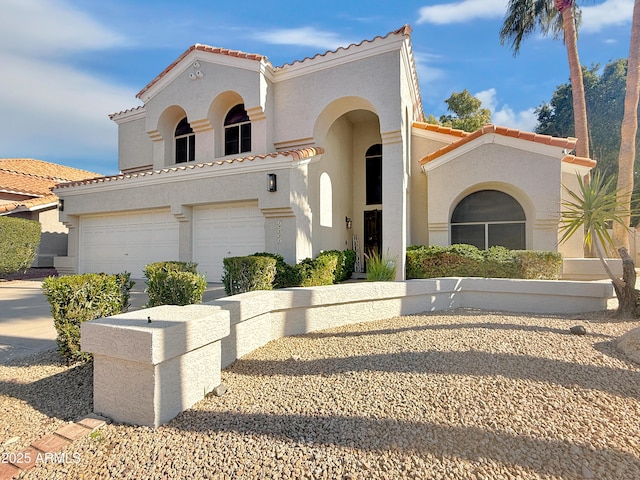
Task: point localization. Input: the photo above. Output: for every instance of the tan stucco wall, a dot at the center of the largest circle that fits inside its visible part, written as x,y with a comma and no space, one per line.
532,179
135,149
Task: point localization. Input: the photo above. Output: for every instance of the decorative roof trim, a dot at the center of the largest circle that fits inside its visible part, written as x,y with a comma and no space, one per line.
41,203
128,115
564,143
202,48
296,155
582,161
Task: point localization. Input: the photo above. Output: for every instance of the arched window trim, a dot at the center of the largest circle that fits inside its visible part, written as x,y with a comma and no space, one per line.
185,142
237,131
498,219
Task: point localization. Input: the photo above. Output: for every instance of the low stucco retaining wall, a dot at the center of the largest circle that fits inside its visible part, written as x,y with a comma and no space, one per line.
146,373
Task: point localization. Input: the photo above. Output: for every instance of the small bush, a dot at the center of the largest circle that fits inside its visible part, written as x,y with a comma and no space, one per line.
318,271
345,261
245,274
286,275
174,283
541,265
75,299
19,240
381,268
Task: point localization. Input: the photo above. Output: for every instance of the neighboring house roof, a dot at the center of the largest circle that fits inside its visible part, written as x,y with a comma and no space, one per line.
34,179
568,144
294,154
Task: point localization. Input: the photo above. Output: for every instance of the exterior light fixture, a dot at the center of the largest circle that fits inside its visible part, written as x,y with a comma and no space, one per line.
61,205
272,185
349,222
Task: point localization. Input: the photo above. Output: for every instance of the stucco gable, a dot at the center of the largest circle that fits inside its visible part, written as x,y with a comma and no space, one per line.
529,141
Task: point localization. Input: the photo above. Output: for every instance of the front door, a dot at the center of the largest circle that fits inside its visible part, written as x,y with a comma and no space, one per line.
372,232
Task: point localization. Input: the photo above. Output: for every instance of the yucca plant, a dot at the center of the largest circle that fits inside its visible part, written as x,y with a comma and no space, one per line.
381,268
592,210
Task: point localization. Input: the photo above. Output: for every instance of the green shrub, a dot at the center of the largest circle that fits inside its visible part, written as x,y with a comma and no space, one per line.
286,275
468,261
381,268
318,271
345,261
19,240
78,298
541,265
436,261
245,274
174,283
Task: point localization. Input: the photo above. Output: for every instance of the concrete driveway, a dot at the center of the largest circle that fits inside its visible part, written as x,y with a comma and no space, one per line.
26,324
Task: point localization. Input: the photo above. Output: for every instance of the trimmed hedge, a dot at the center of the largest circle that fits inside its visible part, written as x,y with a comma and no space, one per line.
319,271
19,240
469,261
174,283
75,299
345,262
286,275
245,274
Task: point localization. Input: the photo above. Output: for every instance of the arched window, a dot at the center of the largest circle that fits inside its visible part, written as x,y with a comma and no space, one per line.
185,142
237,131
373,159
488,218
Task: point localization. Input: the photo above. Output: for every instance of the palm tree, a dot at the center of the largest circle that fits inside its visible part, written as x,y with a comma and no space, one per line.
523,18
629,129
592,209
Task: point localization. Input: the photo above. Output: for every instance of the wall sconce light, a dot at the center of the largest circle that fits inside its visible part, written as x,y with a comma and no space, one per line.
61,205
349,223
272,185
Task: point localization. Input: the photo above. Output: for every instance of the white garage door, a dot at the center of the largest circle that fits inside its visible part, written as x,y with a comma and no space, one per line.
229,231
122,242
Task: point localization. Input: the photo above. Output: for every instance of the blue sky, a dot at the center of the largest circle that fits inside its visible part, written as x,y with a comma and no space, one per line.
67,64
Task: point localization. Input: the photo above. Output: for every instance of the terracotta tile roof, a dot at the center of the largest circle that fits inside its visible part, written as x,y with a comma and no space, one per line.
202,48
566,143
294,154
404,30
35,178
29,204
128,110
40,168
440,129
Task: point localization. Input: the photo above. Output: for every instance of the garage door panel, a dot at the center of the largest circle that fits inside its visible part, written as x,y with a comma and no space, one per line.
228,231
127,241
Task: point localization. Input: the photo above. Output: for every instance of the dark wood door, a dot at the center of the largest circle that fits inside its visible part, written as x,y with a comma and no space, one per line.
372,232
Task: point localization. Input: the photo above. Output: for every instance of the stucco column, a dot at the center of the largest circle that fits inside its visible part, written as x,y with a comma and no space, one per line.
258,129
394,205
204,140
158,149
184,215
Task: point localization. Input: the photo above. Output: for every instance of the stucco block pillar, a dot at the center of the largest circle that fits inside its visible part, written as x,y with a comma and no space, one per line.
146,373
184,215
394,205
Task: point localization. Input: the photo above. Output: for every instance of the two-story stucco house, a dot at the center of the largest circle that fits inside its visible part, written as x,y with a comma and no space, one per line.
230,155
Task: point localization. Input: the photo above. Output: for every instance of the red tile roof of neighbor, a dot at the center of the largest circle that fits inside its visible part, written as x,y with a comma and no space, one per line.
34,178
466,137
294,154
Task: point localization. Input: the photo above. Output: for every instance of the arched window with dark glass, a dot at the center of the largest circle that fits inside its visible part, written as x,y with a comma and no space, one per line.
489,218
373,166
237,131
185,142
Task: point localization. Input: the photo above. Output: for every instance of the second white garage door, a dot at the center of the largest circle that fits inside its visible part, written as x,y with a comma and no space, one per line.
228,231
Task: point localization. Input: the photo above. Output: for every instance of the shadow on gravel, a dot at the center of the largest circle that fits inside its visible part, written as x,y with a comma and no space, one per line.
621,382
417,438
451,327
66,395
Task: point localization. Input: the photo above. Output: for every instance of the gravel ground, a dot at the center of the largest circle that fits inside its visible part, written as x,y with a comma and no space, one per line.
456,395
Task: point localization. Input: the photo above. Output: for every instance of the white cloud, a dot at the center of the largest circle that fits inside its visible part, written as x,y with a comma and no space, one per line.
304,36
524,120
49,107
606,14
460,12
46,27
